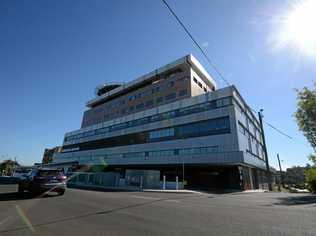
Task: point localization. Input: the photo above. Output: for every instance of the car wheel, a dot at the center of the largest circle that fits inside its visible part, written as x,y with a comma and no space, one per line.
61,192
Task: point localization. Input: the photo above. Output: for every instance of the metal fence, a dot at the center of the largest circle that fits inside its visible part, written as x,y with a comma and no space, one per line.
106,179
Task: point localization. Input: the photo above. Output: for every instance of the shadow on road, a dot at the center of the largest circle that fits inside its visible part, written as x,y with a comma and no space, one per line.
100,189
15,196
77,217
297,200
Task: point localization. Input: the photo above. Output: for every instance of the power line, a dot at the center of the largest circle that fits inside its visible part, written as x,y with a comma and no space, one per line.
211,63
276,129
273,127
196,43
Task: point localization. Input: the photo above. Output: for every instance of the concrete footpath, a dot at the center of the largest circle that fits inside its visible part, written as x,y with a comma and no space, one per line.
127,188
136,189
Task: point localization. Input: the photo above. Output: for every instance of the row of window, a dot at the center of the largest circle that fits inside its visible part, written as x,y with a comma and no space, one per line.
141,106
161,133
254,146
199,83
248,120
159,100
153,90
196,129
139,95
152,154
159,117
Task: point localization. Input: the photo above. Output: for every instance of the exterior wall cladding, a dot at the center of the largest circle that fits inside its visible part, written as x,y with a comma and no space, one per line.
172,116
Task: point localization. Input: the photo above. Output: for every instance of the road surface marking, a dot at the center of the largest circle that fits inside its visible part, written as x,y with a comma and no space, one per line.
24,218
143,197
172,200
4,220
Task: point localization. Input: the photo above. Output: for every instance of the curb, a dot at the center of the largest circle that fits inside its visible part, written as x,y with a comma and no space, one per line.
170,191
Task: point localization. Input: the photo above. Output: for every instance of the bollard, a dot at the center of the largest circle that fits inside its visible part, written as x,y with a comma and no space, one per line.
177,183
141,183
164,183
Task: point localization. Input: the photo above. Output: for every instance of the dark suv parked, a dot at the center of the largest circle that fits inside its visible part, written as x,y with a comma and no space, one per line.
44,180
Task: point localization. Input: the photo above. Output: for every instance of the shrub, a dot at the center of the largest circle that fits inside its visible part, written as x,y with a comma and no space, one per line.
310,176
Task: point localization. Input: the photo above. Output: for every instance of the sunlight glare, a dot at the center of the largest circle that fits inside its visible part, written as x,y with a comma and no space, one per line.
298,28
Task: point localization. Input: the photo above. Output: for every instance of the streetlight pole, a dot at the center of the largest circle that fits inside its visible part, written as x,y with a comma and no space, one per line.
265,150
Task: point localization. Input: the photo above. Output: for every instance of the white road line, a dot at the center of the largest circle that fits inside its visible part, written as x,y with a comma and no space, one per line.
4,220
143,197
171,200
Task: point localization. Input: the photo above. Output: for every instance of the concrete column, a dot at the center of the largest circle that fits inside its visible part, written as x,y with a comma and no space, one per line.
251,178
241,181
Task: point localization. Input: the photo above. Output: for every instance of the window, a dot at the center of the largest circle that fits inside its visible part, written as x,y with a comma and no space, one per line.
205,90
257,148
155,90
183,92
214,126
170,96
146,93
140,106
200,84
161,133
159,100
208,127
115,155
219,103
202,128
198,150
134,155
241,128
149,103
223,102
131,108
102,131
212,149
170,84
249,144
195,80
168,115
247,123
118,126
161,153
155,118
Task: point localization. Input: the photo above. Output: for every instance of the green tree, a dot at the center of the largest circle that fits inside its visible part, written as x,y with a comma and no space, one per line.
295,176
7,166
306,115
312,158
311,179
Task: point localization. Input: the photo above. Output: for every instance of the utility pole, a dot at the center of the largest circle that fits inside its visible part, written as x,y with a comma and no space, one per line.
281,175
265,150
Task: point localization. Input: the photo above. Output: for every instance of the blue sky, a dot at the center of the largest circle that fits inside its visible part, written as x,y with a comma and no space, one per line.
54,53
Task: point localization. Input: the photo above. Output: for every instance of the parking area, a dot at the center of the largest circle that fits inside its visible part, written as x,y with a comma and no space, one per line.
83,212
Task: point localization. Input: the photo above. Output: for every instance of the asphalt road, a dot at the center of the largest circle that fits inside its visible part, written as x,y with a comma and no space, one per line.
82,212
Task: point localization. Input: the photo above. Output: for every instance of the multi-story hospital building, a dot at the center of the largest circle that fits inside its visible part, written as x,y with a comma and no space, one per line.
173,120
